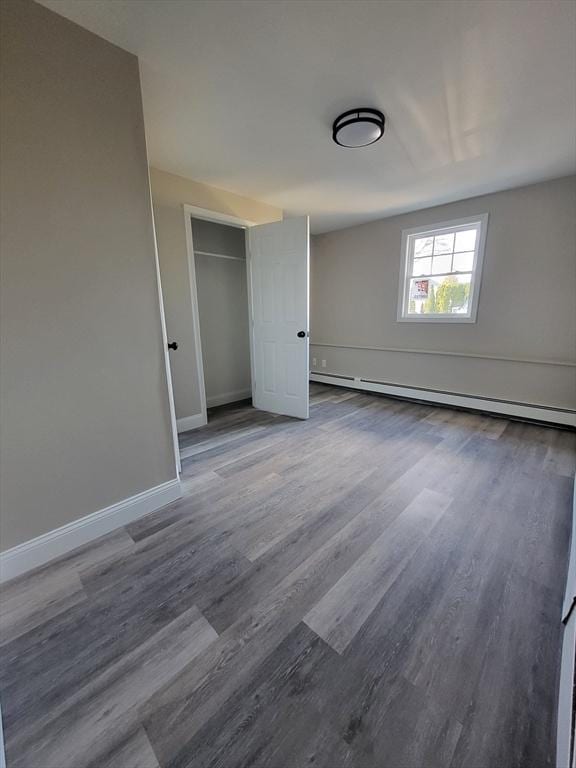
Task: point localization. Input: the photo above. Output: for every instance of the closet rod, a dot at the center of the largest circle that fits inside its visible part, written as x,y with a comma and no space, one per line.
219,255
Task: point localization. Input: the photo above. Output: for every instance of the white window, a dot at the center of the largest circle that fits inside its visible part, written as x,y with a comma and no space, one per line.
441,270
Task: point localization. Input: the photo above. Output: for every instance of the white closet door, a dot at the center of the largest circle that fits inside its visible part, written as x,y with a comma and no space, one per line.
279,261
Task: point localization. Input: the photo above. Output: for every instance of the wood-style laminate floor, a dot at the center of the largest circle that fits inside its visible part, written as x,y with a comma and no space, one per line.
378,587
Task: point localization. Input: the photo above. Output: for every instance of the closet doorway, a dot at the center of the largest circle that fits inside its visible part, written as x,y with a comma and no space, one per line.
219,283
249,288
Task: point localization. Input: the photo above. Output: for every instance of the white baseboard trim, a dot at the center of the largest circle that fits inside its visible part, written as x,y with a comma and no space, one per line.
191,422
228,397
36,552
490,405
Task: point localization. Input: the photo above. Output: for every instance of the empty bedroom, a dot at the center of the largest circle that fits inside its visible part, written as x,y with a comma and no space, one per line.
287,383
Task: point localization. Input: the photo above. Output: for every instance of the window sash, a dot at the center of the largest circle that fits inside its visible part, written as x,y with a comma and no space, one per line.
439,314
448,253
438,274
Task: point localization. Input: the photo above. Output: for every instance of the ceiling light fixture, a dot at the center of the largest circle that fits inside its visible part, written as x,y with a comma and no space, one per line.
358,127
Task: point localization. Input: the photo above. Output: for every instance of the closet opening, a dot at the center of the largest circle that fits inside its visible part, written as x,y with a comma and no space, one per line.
221,279
248,351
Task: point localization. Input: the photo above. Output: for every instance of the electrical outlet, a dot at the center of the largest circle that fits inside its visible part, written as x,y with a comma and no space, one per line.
323,363
314,362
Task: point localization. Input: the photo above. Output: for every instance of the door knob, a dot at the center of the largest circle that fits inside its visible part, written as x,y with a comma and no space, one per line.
301,334
173,345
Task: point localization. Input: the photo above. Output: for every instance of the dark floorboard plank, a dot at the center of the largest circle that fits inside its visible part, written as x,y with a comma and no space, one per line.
510,719
277,563
561,454
132,752
25,606
246,730
106,708
342,610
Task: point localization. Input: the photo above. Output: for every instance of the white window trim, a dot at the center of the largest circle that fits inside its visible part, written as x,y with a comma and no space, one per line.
401,317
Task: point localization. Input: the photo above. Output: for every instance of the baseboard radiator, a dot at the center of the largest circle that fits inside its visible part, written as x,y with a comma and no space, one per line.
556,416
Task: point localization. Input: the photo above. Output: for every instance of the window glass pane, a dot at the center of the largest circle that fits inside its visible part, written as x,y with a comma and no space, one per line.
465,241
417,295
444,243
422,266
442,264
423,246
463,262
448,295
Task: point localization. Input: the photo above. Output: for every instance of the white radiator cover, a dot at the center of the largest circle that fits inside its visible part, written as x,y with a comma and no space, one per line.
559,416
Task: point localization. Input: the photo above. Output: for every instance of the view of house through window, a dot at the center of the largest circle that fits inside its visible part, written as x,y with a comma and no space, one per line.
441,272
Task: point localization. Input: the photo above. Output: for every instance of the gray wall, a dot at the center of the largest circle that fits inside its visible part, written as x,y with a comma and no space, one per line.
84,398
527,308
218,238
223,311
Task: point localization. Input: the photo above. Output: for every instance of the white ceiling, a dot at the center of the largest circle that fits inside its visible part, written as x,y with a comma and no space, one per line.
479,95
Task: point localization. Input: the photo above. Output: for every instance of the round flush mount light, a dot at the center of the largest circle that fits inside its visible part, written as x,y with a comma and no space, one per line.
358,127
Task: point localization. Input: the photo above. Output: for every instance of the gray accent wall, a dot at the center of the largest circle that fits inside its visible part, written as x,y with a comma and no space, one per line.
526,313
84,397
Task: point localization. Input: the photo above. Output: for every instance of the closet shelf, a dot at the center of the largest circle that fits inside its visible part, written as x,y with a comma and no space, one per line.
218,255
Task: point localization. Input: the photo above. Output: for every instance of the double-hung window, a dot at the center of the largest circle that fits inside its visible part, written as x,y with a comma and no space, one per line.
441,270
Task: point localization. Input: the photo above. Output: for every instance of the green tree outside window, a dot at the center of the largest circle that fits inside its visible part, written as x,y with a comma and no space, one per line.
451,295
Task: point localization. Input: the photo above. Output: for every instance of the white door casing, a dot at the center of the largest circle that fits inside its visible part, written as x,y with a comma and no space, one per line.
279,260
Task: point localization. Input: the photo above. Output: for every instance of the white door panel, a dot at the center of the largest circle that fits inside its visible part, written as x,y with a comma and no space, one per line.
279,274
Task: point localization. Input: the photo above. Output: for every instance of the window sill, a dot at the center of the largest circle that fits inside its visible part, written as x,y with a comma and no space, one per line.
446,319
